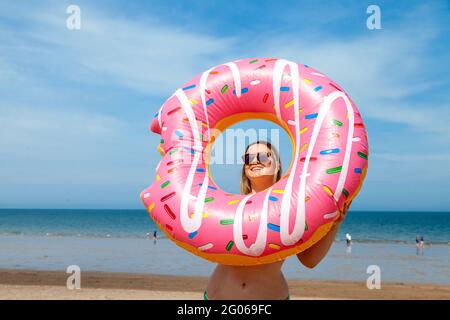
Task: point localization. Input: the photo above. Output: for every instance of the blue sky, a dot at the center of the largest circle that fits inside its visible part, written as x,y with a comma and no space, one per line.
75,105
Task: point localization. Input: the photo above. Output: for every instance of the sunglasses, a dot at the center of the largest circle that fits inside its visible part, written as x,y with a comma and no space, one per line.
262,157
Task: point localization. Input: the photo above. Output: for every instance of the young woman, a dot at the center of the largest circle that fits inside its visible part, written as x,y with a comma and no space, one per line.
261,169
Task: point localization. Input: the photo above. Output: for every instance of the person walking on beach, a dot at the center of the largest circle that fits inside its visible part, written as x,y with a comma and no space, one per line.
422,242
155,237
348,239
261,169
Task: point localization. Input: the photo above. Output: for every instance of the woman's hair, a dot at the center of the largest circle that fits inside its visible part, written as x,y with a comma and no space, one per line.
246,186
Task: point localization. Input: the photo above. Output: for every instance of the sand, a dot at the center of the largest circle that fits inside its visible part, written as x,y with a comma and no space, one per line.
37,285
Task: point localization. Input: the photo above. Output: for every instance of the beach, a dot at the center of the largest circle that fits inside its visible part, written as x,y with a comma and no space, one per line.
117,261
37,285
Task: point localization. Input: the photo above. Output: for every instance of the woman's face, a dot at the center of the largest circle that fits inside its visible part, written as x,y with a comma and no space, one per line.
256,169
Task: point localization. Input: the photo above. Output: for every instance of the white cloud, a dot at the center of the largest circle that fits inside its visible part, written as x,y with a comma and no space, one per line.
54,132
149,56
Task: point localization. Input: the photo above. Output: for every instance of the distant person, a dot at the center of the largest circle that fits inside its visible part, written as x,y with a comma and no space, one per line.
147,236
155,236
348,239
422,242
417,241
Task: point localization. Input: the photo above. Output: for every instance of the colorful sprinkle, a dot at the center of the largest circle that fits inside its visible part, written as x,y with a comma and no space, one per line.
211,100
362,155
211,187
169,212
307,81
278,191
334,170
209,199
317,88
274,246
272,198
172,170
329,151
288,104
261,67
165,184
214,72
255,82
158,177
311,116
337,122
310,159
179,133
173,151
306,226
150,207
226,221
244,236
284,89
273,227
161,141
229,245
233,201
168,196
358,170
345,192
189,87
302,131
205,247
243,90
224,89
200,170
193,101
192,234
174,162
303,147
266,96
169,227
253,61
189,149
173,110
334,86
359,125
327,190
356,139
330,215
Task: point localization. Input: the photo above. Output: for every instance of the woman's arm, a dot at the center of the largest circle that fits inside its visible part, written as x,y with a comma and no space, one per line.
312,256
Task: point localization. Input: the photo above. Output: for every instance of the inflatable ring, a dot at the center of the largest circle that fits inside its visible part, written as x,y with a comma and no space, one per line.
328,166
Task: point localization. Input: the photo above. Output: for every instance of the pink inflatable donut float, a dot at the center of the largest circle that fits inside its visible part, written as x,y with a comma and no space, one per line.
329,162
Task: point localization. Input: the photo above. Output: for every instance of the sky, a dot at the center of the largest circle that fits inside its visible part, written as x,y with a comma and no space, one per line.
75,105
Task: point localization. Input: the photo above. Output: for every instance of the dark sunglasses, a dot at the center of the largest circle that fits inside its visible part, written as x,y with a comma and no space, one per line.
262,157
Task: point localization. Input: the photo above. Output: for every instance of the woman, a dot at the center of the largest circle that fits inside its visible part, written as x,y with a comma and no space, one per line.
261,169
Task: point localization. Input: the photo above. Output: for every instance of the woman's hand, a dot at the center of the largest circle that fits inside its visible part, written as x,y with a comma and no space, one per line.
312,256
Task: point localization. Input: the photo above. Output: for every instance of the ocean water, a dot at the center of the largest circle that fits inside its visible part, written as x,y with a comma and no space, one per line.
115,240
364,226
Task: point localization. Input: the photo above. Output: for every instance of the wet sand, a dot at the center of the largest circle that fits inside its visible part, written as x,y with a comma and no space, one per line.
29,284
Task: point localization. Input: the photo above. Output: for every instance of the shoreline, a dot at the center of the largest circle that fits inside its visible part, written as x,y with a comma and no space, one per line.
41,285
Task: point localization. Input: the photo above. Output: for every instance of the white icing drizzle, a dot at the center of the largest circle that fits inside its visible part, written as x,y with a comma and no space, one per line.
258,247
193,224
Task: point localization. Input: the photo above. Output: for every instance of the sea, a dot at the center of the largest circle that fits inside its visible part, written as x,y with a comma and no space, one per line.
122,241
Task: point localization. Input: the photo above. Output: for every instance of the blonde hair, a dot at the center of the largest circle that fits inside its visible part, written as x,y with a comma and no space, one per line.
246,186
